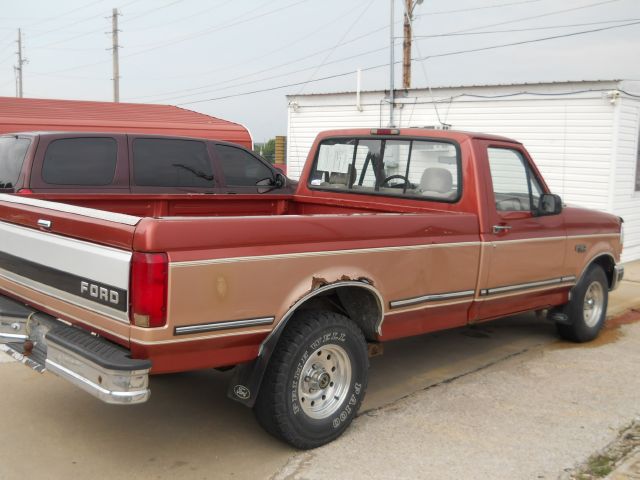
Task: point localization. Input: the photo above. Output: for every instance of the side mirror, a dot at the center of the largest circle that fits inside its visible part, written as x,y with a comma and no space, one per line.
550,204
280,181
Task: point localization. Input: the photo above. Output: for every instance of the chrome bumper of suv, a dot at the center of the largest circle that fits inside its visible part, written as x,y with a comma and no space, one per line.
92,363
618,275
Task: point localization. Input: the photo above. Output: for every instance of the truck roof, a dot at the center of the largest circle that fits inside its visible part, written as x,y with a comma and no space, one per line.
457,135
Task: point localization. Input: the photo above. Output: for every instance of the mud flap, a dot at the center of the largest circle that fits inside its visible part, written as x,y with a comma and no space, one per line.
247,377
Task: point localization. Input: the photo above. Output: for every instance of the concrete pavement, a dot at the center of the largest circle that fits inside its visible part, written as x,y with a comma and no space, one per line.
501,400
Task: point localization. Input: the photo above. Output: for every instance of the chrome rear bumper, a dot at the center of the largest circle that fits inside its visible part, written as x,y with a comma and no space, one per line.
92,363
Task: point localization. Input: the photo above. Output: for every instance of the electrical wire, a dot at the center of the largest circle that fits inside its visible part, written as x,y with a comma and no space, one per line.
151,11
181,39
290,43
238,21
541,15
517,30
167,96
188,17
458,52
523,42
80,35
485,7
338,44
263,79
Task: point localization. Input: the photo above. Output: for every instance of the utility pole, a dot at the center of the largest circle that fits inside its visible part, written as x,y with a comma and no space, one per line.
18,68
406,46
392,99
409,5
116,62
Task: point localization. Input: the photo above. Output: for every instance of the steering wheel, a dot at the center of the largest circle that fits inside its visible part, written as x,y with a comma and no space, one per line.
404,179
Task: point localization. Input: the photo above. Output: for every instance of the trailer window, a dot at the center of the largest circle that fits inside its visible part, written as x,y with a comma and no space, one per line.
425,169
80,161
164,162
12,153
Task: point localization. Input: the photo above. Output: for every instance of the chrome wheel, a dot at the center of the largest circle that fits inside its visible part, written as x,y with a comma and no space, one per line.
324,381
593,304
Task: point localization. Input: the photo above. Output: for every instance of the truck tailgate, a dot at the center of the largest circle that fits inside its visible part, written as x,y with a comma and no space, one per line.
70,262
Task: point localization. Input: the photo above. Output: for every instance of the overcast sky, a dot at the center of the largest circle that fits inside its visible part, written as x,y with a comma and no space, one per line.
193,52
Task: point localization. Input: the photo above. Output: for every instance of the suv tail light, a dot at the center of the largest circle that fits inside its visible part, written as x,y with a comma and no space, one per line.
149,279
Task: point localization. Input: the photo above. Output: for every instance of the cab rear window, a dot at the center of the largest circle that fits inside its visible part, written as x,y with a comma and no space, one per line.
416,168
12,153
80,161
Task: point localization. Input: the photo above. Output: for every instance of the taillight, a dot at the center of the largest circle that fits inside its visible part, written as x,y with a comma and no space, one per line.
149,278
25,191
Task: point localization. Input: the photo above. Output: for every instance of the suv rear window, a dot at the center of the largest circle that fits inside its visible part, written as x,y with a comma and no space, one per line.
80,161
161,162
12,153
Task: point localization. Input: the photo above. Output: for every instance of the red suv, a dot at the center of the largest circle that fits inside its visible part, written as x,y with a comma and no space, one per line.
66,162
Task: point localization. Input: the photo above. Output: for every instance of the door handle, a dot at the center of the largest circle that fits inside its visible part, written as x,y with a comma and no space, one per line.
501,228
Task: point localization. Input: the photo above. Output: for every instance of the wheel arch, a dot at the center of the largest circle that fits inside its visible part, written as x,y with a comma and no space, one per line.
357,299
360,300
606,261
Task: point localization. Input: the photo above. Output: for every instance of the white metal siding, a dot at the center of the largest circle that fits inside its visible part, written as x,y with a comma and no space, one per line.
626,202
584,145
569,137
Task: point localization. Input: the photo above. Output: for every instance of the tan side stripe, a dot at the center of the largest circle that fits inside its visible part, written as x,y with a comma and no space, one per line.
257,258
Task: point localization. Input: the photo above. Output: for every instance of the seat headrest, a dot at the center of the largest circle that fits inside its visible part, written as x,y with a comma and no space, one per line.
436,180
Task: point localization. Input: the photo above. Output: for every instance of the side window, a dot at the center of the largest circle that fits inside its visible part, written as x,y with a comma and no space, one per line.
514,185
80,161
166,162
240,168
12,153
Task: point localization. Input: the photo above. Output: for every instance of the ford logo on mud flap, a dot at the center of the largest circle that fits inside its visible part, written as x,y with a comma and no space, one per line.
242,392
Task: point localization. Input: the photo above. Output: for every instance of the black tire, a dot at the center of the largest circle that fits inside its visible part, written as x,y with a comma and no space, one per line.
311,410
587,309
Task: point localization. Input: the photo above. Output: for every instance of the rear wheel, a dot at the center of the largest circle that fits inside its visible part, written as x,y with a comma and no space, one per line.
587,309
315,381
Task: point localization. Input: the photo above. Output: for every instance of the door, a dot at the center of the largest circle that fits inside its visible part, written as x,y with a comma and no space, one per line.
523,252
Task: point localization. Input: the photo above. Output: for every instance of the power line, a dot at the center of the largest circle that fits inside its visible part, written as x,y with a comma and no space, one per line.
523,42
80,35
181,39
217,28
168,95
465,10
339,43
516,30
280,75
187,17
541,15
459,52
153,10
290,43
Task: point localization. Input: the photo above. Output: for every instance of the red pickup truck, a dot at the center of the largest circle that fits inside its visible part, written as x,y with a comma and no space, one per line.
390,233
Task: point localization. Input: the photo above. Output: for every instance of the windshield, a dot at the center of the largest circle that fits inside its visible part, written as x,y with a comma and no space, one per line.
426,169
12,153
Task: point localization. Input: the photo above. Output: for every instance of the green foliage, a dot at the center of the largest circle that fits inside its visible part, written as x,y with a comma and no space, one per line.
267,149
